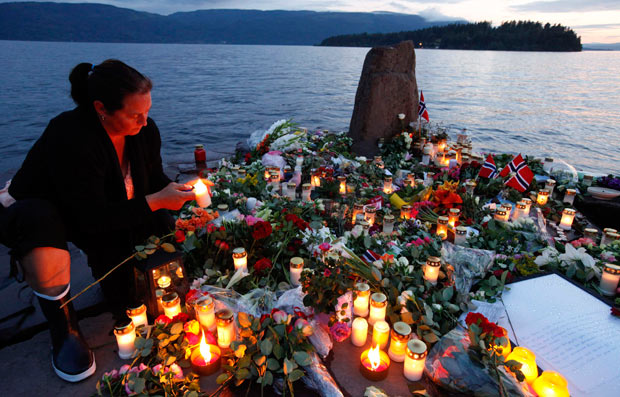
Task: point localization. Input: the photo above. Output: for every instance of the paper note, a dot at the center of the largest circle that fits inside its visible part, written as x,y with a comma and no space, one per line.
569,330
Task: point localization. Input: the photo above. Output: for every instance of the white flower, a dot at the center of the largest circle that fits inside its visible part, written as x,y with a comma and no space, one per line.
372,391
573,254
357,231
403,261
549,255
401,116
361,159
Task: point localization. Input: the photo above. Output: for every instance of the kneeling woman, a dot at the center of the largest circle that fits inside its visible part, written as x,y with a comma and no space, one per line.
94,178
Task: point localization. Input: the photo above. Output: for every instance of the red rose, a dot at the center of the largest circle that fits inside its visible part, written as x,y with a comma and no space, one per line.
262,265
297,221
472,318
499,332
248,157
498,273
262,229
179,236
327,273
193,295
181,317
162,320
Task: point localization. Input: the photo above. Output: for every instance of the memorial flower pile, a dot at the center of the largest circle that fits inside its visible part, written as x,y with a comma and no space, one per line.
314,221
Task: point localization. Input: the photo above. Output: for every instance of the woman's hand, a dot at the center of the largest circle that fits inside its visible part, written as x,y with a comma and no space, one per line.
172,197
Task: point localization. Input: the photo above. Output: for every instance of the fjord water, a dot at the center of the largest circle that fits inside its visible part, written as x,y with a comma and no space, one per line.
564,105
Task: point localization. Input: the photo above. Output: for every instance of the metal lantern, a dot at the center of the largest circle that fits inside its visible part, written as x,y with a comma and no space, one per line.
161,273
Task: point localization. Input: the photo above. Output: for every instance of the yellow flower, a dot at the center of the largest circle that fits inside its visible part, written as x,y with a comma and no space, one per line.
450,186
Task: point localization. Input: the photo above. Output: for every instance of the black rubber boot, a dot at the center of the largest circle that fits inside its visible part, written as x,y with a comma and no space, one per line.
72,359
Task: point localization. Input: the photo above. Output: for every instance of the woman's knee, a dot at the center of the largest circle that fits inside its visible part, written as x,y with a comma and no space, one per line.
47,269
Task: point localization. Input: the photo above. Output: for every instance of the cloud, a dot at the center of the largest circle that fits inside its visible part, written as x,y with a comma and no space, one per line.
599,26
569,6
432,14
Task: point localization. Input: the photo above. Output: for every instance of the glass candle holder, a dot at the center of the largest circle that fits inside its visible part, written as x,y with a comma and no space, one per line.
225,328
291,188
519,210
125,333
159,294
415,358
609,236
222,208
591,233
405,211
610,279
387,185
542,197
350,188
343,185
358,208
569,196
171,304
470,187
500,215
359,331
508,208
380,334
296,266
550,185
408,182
378,308
431,270
427,151
138,315
299,161
240,259
587,180
453,216
568,215
399,336
442,227
306,190
528,362
315,181
609,230
441,145
388,224
460,235
370,213
205,312
551,384
528,205
548,164
362,297
164,280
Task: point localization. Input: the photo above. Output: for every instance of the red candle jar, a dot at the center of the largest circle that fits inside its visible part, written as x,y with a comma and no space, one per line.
200,154
206,360
374,364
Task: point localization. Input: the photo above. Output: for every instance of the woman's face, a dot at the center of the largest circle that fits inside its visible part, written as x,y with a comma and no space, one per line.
130,119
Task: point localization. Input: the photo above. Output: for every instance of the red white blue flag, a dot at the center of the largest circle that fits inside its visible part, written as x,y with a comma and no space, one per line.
488,170
522,177
422,112
370,256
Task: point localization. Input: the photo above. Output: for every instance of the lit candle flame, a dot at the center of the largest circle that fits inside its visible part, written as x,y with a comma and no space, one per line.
205,351
200,187
374,358
164,282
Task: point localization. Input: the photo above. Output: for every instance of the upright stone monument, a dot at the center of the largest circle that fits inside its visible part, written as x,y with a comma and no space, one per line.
387,88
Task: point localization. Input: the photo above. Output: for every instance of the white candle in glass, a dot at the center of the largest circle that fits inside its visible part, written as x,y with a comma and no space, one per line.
387,185
306,190
528,204
171,304
542,197
415,360
378,308
125,338
203,199
608,237
362,297
290,190
569,196
299,161
453,216
442,227
519,210
568,215
460,235
240,259
225,328
359,332
431,270
138,315
399,336
343,185
550,185
205,312
610,279
380,334
296,266
370,213
388,224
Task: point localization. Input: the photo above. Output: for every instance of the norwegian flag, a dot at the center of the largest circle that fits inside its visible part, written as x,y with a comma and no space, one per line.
422,112
370,256
522,174
488,170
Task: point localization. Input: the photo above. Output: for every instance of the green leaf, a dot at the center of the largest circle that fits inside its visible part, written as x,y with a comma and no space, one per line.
242,373
245,361
141,255
367,242
192,393
176,328
267,378
278,351
430,337
151,246
139,248
447,294
168,247
302,358
221,378
272,363
138,385
295,375
260,360
244,320
376,274
266,347
289,366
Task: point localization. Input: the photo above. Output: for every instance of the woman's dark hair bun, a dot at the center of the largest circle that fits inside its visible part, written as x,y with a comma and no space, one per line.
109,82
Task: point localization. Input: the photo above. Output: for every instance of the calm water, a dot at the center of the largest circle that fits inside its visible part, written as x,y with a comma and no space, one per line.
563,105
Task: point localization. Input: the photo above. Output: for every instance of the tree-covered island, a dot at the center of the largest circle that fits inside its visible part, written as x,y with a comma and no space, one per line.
509,36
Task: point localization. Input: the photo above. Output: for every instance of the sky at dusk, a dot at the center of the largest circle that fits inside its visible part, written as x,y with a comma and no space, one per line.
593,20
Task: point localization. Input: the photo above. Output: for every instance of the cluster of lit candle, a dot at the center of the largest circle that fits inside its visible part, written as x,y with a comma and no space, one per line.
375,362
548,384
